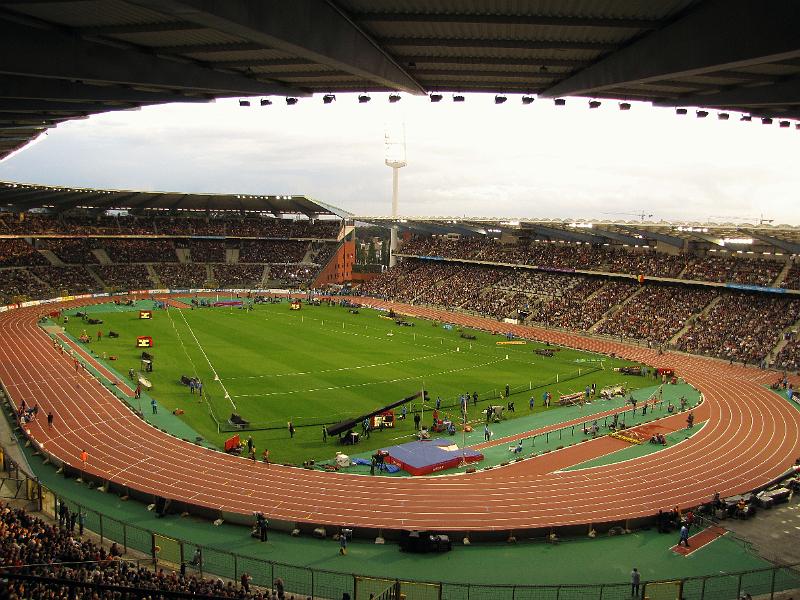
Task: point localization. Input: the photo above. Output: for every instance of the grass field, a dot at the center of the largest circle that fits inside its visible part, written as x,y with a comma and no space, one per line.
322,365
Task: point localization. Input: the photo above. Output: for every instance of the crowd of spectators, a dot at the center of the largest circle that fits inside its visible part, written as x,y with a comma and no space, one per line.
741,327
30,546
752,271
226,225
17,284
74,251
789,356
204,251
584,305
658,312
140,251
124,277
272,251
239,276
792,279
181,276
19,253
290,275
72,280
588,257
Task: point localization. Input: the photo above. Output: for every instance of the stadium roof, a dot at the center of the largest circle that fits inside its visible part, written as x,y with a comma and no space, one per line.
18,197
784,239
67,59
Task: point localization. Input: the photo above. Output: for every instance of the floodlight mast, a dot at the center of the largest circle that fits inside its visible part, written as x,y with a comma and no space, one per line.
395,147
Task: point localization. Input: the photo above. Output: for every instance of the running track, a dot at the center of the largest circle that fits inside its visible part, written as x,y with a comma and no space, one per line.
753,435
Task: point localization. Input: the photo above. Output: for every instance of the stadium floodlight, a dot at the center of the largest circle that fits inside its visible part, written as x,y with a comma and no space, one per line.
436,97
624,105
766,121
266,102
560,102
527,100
458,98
784,124
363,98
723,116
394,98
681,111
702,114
594,103
291,101
499,99
244,102
328,98
746,118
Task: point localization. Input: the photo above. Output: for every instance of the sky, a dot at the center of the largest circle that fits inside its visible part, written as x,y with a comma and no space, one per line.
468,159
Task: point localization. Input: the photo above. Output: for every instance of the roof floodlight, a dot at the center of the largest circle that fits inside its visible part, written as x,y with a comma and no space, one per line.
784,124
394,98
266,102
244,102
458,98
702,114
291,101
328,98
363,98
681,111
499,99
560,102
436,97
766,121
745,118
594,103
527,100
723,116
624,105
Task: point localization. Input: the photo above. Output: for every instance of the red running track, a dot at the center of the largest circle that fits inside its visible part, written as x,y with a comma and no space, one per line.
752,436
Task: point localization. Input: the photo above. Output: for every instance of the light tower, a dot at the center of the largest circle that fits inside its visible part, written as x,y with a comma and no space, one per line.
395,151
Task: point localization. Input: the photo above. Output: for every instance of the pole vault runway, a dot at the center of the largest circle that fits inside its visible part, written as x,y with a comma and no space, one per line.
752,436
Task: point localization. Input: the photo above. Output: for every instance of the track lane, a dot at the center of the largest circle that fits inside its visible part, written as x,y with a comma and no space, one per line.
751,436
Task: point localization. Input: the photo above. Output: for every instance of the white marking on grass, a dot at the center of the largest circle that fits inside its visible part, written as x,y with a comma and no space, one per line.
368,383
213,370
391,362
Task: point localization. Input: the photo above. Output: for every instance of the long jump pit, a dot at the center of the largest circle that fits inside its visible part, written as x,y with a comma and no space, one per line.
430,456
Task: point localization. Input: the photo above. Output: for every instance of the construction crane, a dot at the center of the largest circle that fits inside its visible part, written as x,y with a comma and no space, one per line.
642,215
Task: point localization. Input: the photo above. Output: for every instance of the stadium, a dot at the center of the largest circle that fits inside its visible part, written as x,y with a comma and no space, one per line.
255,388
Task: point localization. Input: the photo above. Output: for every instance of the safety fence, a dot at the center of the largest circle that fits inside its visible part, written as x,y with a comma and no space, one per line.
203,560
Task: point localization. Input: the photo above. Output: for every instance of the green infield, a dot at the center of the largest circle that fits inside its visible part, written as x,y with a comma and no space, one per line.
324,364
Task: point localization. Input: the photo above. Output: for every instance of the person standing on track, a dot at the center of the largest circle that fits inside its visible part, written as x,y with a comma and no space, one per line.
486,433
636,578
153,404
684,536
50,420
84,457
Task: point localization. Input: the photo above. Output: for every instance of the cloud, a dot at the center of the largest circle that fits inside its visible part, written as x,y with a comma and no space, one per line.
473,158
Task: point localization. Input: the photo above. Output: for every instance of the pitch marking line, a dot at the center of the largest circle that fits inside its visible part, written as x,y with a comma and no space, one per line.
355,385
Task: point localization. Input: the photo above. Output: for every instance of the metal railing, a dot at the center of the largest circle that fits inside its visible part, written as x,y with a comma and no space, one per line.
318,583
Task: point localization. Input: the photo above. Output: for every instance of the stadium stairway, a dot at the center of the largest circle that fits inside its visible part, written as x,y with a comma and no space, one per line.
183,255
51,257
611,310
783,341
96,277
102,256
231,256
782,275
690,321
151,272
